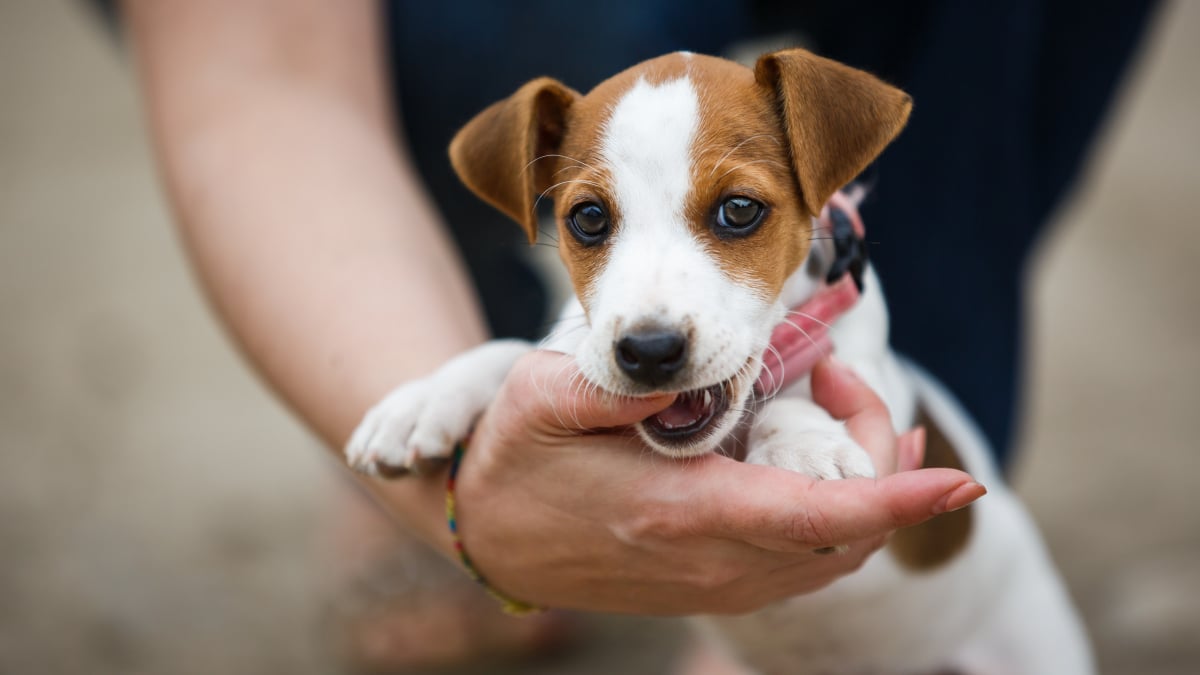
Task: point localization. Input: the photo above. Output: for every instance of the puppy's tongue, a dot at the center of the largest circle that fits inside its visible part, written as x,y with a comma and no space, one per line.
688,409
803,338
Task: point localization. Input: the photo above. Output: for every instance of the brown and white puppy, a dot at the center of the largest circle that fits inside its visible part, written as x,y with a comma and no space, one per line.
686,191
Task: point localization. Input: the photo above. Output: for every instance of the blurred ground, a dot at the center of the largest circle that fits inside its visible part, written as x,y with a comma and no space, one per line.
159,512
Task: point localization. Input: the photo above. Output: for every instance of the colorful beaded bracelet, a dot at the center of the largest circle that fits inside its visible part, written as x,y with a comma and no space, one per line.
509,605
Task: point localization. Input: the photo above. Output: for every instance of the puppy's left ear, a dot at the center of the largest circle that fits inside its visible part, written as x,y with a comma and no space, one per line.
501,153
837,118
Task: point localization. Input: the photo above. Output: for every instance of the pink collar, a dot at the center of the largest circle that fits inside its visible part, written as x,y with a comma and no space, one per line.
802,338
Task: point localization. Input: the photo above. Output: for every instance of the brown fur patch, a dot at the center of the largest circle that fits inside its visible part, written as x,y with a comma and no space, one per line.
582,174
740,149
787,134
500,153
934,542
837,118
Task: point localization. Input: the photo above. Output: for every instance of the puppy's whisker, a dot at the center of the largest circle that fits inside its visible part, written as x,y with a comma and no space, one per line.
776,384
543,390
574,392
805,334
574,386
539,158
808,316
745,164
747,412
562,183
734,149
584,389
560,327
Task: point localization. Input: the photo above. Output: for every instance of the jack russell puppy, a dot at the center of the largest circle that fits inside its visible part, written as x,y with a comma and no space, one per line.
691,199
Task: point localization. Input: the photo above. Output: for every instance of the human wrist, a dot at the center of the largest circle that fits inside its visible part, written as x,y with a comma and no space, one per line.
509,604
417,503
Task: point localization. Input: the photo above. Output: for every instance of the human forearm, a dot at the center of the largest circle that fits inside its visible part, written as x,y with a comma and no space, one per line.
304,222
307,228
321,257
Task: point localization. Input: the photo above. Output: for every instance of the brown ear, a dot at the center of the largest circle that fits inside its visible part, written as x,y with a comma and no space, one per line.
497,154
837,118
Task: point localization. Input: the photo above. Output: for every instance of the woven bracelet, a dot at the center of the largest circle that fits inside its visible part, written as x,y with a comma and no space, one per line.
509,605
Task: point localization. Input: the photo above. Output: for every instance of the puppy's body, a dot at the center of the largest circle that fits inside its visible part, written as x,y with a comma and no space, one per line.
687,190
996,606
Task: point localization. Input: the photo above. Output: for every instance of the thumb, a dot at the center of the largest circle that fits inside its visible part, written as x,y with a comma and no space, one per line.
553,390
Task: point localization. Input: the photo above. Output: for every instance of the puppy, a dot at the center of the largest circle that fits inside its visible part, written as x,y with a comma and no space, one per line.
690,195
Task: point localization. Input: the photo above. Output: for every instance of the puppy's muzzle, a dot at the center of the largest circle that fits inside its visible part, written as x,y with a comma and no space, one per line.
651,357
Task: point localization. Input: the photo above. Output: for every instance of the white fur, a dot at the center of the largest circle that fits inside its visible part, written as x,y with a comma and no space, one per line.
423,419
998,607
796,434
647,149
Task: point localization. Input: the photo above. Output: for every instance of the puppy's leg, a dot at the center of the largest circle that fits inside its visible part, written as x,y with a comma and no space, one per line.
797,434
423,419
1032,628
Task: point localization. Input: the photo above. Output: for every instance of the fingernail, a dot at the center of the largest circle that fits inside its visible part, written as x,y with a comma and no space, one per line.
959,497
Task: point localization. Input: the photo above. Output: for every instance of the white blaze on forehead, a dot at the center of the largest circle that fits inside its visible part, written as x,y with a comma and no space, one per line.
657,271
660,274
647,144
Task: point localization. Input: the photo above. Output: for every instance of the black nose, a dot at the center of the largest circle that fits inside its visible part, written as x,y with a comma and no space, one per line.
651,357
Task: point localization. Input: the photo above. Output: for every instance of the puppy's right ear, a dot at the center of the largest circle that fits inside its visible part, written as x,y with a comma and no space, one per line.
837,118
499,154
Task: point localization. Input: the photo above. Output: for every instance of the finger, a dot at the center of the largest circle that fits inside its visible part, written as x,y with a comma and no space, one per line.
910,450
785,511
817,571
845,396
861,508
559,396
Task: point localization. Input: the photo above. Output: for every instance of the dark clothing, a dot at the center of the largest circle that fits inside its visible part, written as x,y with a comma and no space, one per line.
1006,97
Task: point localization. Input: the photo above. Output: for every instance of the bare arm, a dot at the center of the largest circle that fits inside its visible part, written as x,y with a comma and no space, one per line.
308,228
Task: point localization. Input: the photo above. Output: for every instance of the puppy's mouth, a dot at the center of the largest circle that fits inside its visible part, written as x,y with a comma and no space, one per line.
691,417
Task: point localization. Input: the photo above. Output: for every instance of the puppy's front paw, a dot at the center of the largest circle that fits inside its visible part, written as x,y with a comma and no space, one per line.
407,428
418,423
824,456
798,435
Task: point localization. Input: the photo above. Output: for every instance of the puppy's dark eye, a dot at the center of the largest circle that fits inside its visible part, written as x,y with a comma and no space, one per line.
739,216
589,223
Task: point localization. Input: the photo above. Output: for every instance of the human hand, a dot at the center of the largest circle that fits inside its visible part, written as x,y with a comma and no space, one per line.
557,514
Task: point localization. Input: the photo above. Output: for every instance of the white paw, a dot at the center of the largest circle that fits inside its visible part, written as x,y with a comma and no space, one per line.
798,435
820,454
418,424
406,427
824,453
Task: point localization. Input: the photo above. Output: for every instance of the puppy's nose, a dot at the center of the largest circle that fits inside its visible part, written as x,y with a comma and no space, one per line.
651,357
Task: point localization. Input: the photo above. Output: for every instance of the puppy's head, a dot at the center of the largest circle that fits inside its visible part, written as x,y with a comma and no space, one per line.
684,191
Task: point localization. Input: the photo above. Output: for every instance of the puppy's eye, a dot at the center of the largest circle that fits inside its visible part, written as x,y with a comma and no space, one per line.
739,216
589,223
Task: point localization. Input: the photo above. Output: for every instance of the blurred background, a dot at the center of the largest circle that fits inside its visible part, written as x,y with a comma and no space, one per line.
160,513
